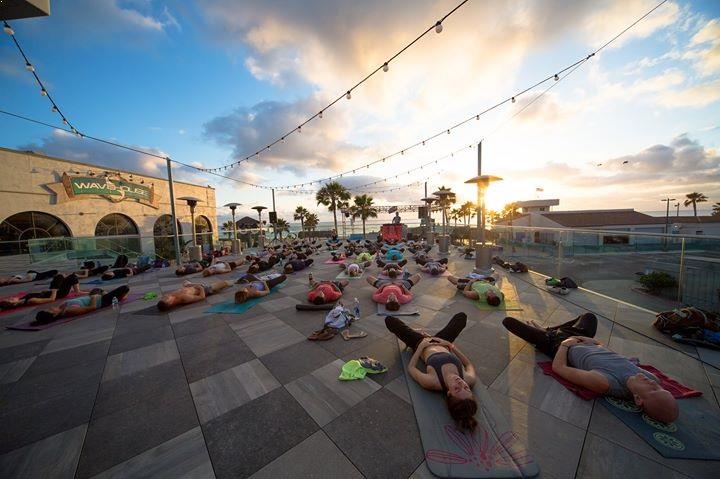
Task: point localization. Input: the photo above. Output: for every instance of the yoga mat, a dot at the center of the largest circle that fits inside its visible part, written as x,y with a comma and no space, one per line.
695,434
505,305
330,261
232,307
408,309
28,326
314,307
344,275
493,450
97,281
22,308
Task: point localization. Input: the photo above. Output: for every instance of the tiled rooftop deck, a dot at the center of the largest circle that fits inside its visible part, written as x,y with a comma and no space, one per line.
135,393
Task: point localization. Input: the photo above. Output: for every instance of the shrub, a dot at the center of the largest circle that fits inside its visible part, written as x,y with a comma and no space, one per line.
656,281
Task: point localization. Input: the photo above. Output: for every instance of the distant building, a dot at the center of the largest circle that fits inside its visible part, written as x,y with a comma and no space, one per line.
247,223
537,206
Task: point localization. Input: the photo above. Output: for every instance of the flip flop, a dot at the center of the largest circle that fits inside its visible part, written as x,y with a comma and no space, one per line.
347,335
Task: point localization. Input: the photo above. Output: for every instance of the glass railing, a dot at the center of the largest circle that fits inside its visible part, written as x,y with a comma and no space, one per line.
652,270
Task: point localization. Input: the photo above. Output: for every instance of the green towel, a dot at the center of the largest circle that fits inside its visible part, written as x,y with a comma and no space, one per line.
352,370
149,296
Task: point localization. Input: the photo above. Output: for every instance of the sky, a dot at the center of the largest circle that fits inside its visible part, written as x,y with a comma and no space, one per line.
210,82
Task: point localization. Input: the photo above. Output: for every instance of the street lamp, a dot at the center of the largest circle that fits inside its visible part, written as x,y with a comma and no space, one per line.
261,240
235,243
195,252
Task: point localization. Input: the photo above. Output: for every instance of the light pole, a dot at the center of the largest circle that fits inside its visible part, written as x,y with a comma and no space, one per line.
677,209
235,243
667,212
195,251
483,256
261,240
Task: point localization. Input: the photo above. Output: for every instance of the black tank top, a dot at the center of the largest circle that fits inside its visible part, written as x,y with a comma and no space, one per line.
438,360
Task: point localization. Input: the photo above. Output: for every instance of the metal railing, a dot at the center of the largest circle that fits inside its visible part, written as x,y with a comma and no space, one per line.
654,270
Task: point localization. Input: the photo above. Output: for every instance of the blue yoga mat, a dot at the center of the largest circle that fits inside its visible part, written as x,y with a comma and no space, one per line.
695,435
231,307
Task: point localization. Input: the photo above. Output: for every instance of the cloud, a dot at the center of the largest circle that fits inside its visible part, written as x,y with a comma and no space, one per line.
695,96
706,58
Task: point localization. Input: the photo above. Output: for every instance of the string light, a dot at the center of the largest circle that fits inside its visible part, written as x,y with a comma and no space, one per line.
348,96
438,27
320,115
385,67
8,30
43,92
513,99
29,67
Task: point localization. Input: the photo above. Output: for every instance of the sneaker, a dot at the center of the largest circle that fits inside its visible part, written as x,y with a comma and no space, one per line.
559,290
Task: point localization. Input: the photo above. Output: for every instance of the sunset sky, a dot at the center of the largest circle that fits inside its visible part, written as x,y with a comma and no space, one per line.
209,82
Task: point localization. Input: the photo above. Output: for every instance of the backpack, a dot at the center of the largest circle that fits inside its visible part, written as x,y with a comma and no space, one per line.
568,283
670,322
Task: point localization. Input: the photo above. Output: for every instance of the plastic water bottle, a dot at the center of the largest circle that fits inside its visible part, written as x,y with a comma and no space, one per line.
356,308
310,279
115,303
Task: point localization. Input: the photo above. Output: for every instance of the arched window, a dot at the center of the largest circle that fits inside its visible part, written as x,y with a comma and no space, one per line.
203,233
163,233
16,230
116,224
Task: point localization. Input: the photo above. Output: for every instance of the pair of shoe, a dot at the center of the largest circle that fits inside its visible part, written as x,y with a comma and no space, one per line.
558,290
323,335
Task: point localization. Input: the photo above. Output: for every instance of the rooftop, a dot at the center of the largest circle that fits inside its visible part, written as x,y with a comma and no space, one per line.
136,392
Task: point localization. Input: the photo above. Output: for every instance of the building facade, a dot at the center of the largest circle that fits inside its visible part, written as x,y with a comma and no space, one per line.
52,203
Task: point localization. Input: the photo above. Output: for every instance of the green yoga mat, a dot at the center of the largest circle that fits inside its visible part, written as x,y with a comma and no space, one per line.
695,435
493,450
505,305
231,307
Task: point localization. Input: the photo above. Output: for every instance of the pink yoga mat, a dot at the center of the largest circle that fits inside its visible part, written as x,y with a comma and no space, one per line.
330,261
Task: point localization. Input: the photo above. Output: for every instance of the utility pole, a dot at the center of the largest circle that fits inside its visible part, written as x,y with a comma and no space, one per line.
667,213
176,238
274,211
677,209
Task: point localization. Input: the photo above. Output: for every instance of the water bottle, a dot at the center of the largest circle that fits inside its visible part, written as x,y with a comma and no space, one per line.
310,279
356,308
115,303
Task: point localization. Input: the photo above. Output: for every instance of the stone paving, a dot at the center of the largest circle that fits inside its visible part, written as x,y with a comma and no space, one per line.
138,393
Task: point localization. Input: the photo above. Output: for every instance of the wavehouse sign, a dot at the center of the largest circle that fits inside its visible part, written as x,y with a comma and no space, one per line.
114,189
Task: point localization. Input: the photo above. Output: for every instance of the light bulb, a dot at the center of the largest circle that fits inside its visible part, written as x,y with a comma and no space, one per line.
29,67
402,152
513,99
423,142
385,67
65,122
448,132
438,27
8,30
43,92
299,129
320,115
556,77
54,109
347,95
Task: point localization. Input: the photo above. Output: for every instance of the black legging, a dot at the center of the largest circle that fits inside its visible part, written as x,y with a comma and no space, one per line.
248,278
39,276
120,262
548,340
118,293
98,270
63,284
412,338
400,263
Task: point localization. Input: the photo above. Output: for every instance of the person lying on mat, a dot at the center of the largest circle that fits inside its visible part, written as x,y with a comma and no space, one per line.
252,286
447,369
191,293
296,265
364,257
221,267
583,361
353,269
423,258
394,291
434,268
91,268
337,255
479,289
263,265
27,277
382,263
124,272
60,287
84,304
190,268
393,255
323,292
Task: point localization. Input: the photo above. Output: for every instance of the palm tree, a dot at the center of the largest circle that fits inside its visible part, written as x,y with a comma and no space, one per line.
467,209
228,227
510,211
300,215
364,209
311,221
693,199
716,209
330,195
456,214
282,225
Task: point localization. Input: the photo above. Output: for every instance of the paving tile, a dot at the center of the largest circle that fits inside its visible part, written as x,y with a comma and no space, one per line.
398,386
379,436
206,339
117,437
296,360
184,456
316,456
79,338
12,371
198,325
187,312
130,362
68,358
222,392
325,397
55,456
159,383
265,334
20,351
555,444
278,304
386,352
200,363
244,440
602,458
126,342
37,421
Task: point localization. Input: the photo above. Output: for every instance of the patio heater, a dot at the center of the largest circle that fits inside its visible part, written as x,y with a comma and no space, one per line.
261,239
444,197
429,239
483,252
194,251
235,243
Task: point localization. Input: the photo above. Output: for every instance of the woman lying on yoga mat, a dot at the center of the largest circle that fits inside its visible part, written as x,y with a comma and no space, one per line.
222,267
252,286
296,265
447,369
323,292
124,272
434,268
27,277
82,305
479,289
191,293
60,287
259,265
91,268
583,361
353,269
384,264
190,268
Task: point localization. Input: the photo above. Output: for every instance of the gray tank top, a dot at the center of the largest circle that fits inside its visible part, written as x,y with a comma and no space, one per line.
615,368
